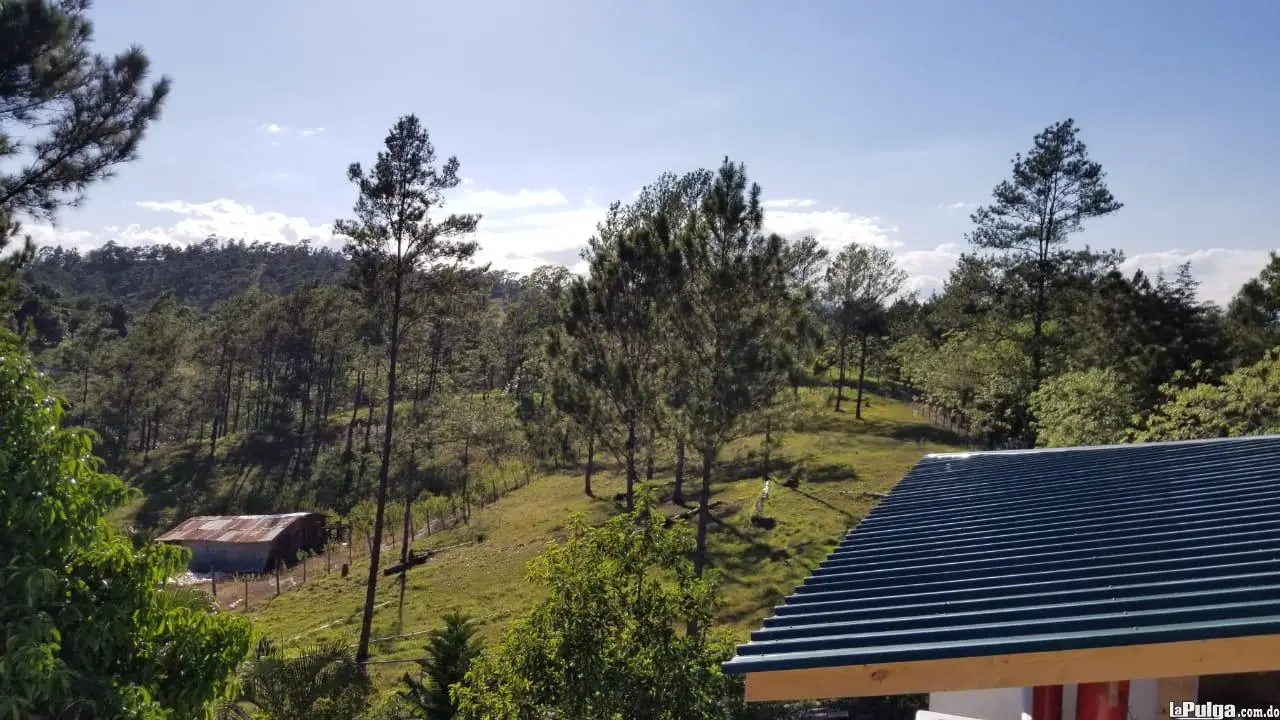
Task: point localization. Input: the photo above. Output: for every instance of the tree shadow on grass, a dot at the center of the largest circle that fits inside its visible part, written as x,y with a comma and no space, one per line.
924,433
732,563
765,598
176,490
750,468
185,482
260,449
848,515
828,422
830,472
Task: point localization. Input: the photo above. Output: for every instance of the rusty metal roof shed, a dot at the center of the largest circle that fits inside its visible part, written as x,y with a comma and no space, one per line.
232,528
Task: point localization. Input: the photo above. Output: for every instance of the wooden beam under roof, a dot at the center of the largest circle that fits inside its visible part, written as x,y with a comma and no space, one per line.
1256,653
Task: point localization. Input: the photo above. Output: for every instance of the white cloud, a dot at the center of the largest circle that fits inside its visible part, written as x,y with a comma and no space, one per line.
467,181
223,218
955,207
788,203
45,235
1221,271
927,270
519,231
526,228
833,228
487,201
524,223
282,130
525,241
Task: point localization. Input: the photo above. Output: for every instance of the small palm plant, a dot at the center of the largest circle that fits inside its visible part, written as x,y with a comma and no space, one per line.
324,682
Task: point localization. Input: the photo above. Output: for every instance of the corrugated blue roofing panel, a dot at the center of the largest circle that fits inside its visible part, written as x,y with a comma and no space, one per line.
993,553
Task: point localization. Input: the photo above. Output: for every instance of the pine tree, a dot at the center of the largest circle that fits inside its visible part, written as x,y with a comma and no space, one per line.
68,117
1052,191
614,324
858,284
391,242
737,315
612,321
450,651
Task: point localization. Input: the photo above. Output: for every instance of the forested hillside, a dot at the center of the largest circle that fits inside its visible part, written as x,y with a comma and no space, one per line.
673,439
200,275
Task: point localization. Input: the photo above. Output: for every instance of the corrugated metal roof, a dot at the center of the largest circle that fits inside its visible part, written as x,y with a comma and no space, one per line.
993,553
232,528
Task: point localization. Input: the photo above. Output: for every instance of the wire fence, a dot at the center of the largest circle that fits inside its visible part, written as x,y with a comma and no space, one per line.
243,592
427,515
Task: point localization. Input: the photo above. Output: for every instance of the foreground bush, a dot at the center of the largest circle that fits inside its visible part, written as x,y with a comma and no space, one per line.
88,630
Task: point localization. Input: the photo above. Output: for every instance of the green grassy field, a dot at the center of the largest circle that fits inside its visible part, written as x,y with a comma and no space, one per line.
843,457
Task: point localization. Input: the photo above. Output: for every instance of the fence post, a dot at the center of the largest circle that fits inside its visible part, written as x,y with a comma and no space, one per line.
328,558
214,579
277,577
246,593
304,569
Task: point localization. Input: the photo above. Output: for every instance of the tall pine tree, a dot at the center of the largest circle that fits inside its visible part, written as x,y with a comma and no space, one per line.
391,242
1053,190
737,316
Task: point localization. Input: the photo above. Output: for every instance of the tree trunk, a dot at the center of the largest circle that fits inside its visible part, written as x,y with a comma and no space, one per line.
840,382
1038,317
351,427
326,396
146,437
222,405
704,514
648,461
371,589
122,449
466,480
213,433
631,466
235,415
591,457
84,395
768,441
862,374
408,530
679,491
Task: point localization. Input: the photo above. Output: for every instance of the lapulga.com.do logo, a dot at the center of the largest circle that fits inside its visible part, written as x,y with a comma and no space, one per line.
1217,711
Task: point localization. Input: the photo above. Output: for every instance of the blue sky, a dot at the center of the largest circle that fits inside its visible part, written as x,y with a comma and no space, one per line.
877,122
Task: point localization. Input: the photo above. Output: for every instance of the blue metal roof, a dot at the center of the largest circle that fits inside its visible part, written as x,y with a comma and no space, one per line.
994,553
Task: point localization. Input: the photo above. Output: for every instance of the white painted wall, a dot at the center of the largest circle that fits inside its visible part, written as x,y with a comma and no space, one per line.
1000,704
1013,703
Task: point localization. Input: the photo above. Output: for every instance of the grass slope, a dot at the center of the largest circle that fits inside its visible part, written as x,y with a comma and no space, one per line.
843,457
